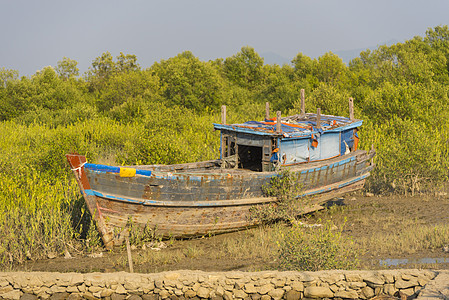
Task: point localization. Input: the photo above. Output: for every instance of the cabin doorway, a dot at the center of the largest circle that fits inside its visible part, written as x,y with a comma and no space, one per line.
250,157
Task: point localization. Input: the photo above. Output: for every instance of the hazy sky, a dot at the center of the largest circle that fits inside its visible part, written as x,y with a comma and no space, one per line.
35,34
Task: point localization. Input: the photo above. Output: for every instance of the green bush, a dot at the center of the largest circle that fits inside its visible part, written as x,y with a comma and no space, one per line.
313,249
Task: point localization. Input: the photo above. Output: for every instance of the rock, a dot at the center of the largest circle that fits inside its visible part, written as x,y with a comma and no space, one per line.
265,289
149,297
409,291
368,292
116,296
51,255
134,297
265,297
159,284
368,194
3,283
35,281
178,292
72,289
276,294
164,294
332,277
5,289
94,289
219,291
189,294
402,284
318,292
293,295
250,288
77,279
14,295
334,288
256,297
239,294
203,292
297,286
374,280
57,289
132,285
406,277
422,281
106,293
356,285
228,295
120,290
278,283
389,278
59,296
75,296
389,289
353,277
351,294
28,297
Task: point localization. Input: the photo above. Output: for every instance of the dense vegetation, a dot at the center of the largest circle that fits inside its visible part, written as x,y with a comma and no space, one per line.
119,112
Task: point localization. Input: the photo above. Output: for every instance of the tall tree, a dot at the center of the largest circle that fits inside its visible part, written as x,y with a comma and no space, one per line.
67,68
245,68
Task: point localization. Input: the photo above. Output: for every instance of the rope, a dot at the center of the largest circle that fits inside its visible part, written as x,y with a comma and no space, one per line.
78,169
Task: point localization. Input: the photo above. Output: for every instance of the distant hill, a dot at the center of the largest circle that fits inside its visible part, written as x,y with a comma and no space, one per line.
348,55
271,58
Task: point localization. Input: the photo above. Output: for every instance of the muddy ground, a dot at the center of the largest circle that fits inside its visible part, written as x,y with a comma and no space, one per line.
366,217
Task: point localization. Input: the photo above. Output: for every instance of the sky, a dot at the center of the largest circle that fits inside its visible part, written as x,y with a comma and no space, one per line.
35,34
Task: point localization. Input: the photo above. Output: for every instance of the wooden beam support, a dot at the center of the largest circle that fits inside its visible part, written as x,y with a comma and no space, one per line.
278,122
351,109
303,102
318,118
223,114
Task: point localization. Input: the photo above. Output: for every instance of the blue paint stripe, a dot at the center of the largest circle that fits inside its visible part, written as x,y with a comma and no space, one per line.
112,169
150,202
102,168
144,172
98,194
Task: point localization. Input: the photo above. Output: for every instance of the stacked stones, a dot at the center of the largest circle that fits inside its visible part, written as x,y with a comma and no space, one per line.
223,285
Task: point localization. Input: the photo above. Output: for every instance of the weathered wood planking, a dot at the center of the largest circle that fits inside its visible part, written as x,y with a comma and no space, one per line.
206,199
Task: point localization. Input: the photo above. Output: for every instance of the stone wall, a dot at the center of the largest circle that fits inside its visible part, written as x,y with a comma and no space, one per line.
220,285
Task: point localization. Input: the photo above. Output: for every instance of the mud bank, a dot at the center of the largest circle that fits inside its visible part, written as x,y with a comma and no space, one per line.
216,285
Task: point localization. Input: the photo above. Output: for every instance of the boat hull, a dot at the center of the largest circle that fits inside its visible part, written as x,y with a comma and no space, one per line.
202,199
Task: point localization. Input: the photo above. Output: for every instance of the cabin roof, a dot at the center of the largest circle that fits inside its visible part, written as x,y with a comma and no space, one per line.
299,126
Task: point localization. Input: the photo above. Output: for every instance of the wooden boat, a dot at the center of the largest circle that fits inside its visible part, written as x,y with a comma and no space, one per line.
216,196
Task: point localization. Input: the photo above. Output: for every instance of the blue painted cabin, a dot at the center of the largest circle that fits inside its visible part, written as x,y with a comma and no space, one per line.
258,146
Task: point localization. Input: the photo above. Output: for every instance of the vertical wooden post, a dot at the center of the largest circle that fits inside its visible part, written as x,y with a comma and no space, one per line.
278,122
267,110
223,114
351,109
318,118
303,102
130,258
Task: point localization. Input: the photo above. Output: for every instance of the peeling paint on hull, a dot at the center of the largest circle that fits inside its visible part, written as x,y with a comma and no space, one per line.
200,198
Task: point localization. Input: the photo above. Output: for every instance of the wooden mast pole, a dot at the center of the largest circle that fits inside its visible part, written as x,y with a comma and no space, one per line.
278,122
303,102
318,118
351,109
223,114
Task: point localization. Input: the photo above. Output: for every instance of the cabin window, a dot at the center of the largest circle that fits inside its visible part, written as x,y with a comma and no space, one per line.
250,157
